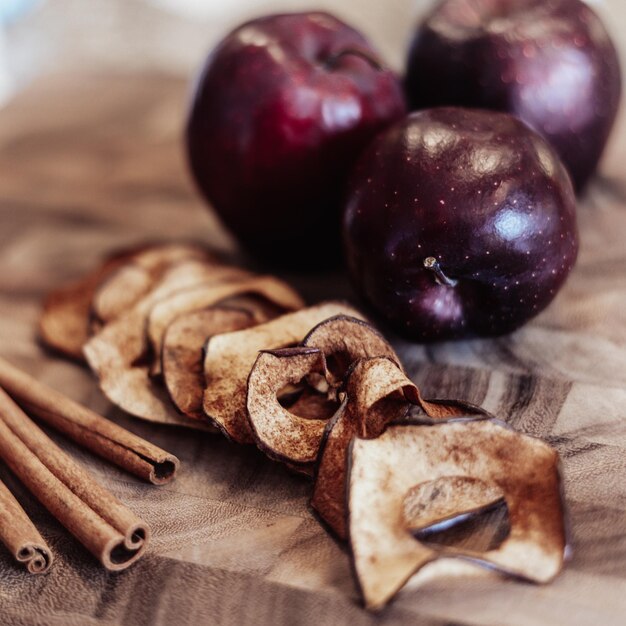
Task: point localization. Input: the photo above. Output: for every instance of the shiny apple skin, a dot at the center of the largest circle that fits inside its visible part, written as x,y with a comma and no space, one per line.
483,194
550,62
280,113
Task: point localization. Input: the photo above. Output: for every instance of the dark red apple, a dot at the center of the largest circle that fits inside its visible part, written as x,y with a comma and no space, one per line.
459,223
281,111
550,62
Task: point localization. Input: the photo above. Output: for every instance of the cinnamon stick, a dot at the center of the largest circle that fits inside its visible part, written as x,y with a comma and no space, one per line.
87,428
20,536
109,530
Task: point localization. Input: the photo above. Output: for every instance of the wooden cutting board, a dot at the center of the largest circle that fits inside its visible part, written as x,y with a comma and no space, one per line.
92,163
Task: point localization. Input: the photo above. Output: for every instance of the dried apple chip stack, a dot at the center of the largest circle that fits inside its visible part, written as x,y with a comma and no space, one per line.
175,336
118,319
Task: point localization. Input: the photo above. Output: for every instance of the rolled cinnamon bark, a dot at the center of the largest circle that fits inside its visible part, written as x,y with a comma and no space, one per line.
87,428
109,530
20,536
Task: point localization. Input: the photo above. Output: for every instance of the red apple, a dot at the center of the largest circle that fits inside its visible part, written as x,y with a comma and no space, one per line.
459,223
550,62
281,110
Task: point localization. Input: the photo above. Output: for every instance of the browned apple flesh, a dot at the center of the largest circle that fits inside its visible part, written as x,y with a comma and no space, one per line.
320,366
374,397
386,471
120,353
204,295
283,433
182,353
131,281
64,320
343,340
231,356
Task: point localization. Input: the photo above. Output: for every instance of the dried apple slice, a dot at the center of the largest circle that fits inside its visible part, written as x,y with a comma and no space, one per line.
119,293
64,322
182,354
438,409
375,396
294,434
377,393
123,297
202,296
384,473
331,349
126,286
231,356
284,434
261,309
343,340
67,319
118,354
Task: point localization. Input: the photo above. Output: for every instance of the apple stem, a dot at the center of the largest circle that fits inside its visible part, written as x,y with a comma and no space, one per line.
431,263
331,61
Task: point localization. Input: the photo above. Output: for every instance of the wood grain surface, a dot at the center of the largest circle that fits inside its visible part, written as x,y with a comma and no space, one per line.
91,163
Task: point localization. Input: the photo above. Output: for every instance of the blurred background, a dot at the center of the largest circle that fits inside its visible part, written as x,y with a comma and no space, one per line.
102,65
44,36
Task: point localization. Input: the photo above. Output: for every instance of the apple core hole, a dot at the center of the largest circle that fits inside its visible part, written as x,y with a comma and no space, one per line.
289,394
338,364
479,531
306,401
